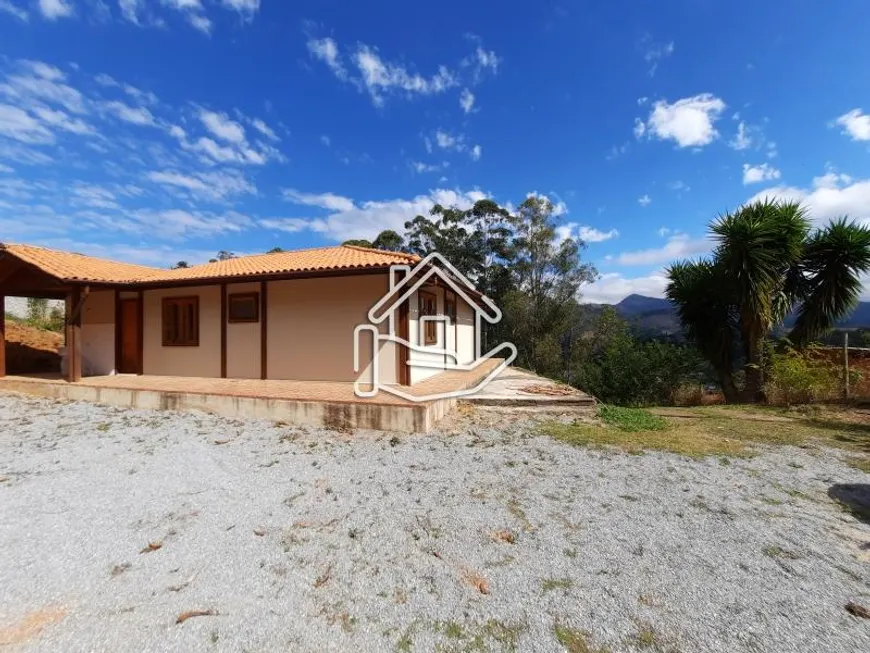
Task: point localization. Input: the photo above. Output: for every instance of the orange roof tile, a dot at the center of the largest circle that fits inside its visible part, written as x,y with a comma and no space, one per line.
68,266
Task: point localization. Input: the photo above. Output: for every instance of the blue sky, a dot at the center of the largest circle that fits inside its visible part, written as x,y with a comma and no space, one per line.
163,130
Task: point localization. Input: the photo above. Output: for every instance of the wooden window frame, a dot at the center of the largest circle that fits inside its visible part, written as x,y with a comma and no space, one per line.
450,308
430,331
255,296
192,339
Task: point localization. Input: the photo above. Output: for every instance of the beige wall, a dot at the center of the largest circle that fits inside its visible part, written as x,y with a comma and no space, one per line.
311,328
243,340
98,333
204,360
465,316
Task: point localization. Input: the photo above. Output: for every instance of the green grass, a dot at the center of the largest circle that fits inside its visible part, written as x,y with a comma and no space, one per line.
723,431
631,420
550,584
575,641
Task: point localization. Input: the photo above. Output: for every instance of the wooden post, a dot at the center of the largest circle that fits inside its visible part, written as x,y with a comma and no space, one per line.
140,335
3,336
223,330
74,335
264,328
846,363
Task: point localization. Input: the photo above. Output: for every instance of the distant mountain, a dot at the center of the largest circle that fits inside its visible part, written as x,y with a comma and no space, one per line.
656,316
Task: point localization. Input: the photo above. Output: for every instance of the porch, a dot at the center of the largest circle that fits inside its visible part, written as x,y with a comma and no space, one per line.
312,403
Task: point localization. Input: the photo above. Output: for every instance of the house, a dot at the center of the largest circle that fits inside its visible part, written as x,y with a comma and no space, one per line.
287,315
443,334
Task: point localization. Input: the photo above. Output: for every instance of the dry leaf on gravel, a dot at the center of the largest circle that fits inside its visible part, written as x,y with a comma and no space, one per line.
504,535
858,610
477,581
152,546
184,616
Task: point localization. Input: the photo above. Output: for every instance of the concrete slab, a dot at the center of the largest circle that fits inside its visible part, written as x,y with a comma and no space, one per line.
516,387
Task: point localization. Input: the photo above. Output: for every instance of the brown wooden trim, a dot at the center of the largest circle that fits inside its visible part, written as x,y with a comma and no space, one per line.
223,330
73,336
277,276
140,311
243,295
264,322
403,352
422,296
3,336
118,334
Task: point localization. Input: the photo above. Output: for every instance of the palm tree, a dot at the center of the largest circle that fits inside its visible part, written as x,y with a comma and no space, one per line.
768,261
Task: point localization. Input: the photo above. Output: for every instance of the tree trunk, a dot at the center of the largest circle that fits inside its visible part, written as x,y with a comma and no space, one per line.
752,389
726,381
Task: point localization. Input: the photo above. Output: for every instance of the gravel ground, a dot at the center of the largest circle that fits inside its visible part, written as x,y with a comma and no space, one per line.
474,538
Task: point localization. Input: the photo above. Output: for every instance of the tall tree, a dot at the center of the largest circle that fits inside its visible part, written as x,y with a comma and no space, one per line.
767,262
389,240
181,264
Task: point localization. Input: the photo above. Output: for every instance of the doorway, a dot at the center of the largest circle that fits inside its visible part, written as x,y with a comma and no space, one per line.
129,359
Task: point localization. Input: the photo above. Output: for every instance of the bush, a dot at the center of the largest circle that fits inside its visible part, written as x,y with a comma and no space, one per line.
801,377
688,394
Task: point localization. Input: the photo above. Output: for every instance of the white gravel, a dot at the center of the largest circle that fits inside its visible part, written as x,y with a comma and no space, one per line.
310,540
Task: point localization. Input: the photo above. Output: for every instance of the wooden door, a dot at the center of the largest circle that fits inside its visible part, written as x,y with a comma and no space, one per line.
129,363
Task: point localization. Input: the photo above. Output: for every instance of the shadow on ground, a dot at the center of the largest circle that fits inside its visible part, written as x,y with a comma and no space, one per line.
855,497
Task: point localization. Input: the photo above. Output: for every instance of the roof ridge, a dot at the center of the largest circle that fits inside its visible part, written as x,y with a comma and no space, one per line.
382,251
7,245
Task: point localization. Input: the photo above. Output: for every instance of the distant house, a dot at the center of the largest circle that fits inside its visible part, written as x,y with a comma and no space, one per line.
285,315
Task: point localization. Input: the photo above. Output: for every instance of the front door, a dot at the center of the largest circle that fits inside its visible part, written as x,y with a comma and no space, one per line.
129,363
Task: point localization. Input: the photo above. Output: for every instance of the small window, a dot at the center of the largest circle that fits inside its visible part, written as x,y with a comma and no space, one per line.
181,321
450,308
243,307
429,306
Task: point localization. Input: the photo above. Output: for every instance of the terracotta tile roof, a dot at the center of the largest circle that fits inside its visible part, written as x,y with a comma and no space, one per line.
68,266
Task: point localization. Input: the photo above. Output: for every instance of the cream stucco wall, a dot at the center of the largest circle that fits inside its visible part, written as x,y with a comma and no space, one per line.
98,333
243,340
204,360
311,328
465,316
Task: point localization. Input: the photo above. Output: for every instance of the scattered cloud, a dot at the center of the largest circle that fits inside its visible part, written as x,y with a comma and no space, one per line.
454,143
133,115
639,128
655,53
8,7
220,125
54,9
688,121
644,200
419,167
830,196
742,140
855,124
265,130
21,126
325,140
380,78
678,246
759,173
679,186
348,219
613,287
217,185
584,232
466,100
476,153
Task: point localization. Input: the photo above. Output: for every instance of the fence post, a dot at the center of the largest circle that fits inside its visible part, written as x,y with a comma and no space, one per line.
846,363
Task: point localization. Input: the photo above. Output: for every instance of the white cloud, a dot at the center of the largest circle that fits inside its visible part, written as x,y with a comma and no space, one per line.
655,53
856,124
209,185
324,200
62,120
688,121
245,7
583,232
419,167
679,186
220,125
447,141
741,140
134,115
38,82
476,153
130,9
644,200
613,287
639,128
481,61
759,173
6,7
6,169
194,13
677,246
21,126
379,77
265,130
832,195
466,100
366,220
325,140
54,9
327,51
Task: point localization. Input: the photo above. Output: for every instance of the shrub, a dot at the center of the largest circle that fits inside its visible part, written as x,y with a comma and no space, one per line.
688,394
800,377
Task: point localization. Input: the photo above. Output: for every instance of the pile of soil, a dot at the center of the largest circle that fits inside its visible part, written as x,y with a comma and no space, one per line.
30,350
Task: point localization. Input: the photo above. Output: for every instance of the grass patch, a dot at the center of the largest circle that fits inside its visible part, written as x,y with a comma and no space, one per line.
550,584
722,431
631,420
575,641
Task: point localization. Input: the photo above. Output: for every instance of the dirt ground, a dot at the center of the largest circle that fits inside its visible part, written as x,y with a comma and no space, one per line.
31,350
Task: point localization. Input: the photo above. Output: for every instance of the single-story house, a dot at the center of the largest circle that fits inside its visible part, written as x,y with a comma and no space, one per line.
285,315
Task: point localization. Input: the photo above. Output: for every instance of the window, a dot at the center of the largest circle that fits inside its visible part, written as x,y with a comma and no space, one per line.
243,307
429,306
181,321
